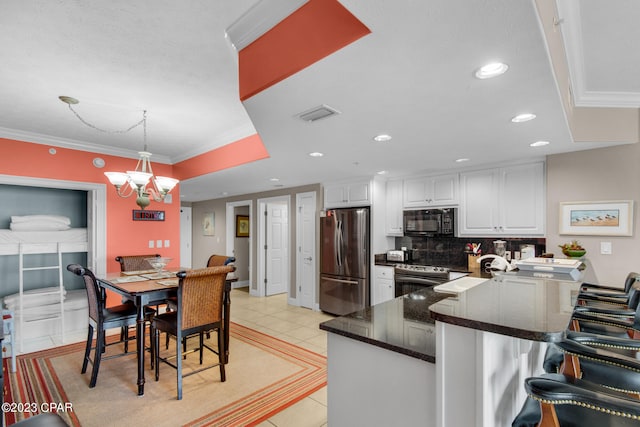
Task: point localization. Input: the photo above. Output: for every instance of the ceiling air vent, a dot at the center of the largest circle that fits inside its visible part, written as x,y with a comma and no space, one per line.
317,113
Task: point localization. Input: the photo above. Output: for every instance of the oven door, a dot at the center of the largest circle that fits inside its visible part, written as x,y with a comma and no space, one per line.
406,284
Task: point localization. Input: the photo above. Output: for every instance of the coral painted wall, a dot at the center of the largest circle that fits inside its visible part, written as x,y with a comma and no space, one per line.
314,31
124,236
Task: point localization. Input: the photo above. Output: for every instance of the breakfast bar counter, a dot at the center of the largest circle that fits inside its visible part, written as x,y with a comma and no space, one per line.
429,353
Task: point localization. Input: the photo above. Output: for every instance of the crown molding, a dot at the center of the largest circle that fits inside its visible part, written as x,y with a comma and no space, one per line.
256,21
72,144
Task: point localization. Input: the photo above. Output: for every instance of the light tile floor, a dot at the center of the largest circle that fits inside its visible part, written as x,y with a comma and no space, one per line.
273,316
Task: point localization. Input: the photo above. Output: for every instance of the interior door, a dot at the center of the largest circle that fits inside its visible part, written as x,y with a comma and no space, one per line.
306,259
277,250
185,236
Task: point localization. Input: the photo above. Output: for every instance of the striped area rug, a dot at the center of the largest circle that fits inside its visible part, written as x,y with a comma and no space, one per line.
264,376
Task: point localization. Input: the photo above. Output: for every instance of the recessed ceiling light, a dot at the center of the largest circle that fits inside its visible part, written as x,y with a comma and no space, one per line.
274,179
491,70
382,138
462,160
382,172
525,117
316,154
539,143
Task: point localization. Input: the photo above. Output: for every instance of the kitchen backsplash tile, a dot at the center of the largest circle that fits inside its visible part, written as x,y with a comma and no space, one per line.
450,251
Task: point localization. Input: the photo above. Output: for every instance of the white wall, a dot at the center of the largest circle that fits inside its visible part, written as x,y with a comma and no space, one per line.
203,246
596,175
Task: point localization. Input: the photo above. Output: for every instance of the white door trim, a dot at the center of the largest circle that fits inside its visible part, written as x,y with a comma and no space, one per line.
186,236
97,225
231,237
261,241
299,259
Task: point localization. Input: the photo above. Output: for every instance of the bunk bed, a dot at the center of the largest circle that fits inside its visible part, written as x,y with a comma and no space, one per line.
39,235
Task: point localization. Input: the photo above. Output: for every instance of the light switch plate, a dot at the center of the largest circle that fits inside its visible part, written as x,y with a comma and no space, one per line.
166,243
158,243
151,244
605,248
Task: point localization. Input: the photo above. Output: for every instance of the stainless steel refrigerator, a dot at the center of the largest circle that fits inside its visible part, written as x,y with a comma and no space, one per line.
344,263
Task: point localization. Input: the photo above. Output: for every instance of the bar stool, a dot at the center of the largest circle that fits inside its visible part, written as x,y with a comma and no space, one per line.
559,400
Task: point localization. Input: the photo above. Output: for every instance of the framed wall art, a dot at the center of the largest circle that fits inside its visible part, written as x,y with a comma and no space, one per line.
605,218
209,224
242,226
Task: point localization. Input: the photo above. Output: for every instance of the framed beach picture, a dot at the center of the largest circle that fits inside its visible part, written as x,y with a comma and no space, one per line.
242,226
208,224
606,218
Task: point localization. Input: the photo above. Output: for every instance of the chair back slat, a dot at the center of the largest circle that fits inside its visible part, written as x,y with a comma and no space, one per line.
135,262
95,297
200,295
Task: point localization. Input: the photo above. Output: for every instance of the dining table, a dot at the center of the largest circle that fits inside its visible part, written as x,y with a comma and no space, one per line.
146,286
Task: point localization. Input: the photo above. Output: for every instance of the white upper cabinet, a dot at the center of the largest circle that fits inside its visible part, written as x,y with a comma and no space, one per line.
505,201
393,217
440,190
347,194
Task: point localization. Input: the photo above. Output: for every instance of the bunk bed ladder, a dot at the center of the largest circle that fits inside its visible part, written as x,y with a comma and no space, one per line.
22,269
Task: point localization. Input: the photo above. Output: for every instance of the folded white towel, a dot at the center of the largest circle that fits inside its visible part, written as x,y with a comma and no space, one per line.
51,218
38,226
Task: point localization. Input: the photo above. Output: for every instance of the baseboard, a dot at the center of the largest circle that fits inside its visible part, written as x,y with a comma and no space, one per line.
240,284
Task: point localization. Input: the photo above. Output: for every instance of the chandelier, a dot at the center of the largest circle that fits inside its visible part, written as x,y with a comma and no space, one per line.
140,182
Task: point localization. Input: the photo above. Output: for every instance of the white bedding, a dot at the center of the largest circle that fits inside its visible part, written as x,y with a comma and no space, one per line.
74,235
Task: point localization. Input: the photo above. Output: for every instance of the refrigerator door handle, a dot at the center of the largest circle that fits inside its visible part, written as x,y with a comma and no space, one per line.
350,282
338,241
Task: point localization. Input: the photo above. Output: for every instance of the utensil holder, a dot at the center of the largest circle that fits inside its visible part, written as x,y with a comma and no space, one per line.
472,263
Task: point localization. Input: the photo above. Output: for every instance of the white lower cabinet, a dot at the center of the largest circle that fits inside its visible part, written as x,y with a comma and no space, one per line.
383,284
503,201
483,373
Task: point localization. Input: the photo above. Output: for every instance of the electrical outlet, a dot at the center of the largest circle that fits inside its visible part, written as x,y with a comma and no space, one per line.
605,248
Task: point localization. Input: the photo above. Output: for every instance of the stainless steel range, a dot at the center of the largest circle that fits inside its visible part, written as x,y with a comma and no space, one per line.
410,278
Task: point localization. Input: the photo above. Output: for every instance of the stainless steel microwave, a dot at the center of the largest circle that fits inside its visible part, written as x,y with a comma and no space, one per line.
430,222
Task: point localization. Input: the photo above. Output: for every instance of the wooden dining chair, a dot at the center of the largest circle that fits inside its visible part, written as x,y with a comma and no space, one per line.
101,319
139,263
135,262
213,261
217,260
199,309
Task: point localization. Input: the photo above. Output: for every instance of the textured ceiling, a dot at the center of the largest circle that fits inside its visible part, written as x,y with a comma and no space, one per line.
412,77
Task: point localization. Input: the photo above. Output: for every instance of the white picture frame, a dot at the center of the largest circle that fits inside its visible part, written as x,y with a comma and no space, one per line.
600,218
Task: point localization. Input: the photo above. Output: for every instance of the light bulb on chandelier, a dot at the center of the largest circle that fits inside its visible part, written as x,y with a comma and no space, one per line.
140,182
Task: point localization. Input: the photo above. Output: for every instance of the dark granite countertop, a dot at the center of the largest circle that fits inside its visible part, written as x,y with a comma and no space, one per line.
387,324
513,304
516,304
